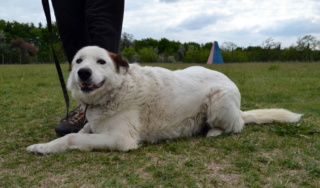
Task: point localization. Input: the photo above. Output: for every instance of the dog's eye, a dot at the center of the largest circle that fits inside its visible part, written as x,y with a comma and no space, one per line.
101,62
78,61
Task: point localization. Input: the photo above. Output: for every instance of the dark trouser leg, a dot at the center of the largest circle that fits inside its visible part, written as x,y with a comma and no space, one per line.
72,30
104,23
82,23
71,25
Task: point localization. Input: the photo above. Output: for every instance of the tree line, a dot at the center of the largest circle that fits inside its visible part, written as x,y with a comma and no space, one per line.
24,43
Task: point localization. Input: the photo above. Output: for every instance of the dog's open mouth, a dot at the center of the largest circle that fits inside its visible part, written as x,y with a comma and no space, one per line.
87,87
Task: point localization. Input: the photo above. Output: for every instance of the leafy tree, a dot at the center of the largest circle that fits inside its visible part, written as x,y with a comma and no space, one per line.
4,47
305,45
272,49
255,53
144,43
37,36
126,41
307,42
168,50
25,49
181,52
191,46
290,54
207,45
129,53
163,50
230,47
164,46
241,55
196,56
147,55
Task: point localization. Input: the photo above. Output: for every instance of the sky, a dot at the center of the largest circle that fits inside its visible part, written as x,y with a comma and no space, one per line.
243,22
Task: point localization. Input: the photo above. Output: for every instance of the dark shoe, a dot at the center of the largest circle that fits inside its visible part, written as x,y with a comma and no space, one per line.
76,121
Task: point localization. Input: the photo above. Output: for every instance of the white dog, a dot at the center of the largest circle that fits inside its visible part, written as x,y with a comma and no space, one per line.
130,104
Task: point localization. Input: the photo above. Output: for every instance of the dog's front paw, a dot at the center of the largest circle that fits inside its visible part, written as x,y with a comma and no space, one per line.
41,149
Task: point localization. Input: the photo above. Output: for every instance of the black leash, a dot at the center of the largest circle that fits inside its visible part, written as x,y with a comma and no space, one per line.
46,8
85,113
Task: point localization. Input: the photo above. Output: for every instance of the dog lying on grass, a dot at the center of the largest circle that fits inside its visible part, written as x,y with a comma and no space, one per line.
128,104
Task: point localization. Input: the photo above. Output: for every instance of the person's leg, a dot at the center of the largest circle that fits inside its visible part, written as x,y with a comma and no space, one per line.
104,23
70,20
82,23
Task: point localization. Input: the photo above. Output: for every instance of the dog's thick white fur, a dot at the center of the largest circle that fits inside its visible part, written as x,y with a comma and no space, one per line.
129,104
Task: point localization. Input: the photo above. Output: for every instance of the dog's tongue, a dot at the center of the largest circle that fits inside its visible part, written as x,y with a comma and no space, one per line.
99,84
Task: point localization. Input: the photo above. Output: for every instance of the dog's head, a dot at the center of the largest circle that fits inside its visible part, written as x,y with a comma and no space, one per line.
94,72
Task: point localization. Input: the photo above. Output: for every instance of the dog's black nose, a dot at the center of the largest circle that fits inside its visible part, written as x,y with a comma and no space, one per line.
84,74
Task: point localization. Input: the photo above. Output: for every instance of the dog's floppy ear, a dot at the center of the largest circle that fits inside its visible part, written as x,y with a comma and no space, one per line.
119,61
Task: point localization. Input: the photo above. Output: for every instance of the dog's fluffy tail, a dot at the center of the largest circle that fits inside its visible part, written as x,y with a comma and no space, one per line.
270,115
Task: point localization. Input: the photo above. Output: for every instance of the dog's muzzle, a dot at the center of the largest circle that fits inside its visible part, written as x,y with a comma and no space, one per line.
85,77
87,87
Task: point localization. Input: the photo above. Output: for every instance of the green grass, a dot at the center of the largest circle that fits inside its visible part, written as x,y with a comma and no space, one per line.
273,155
